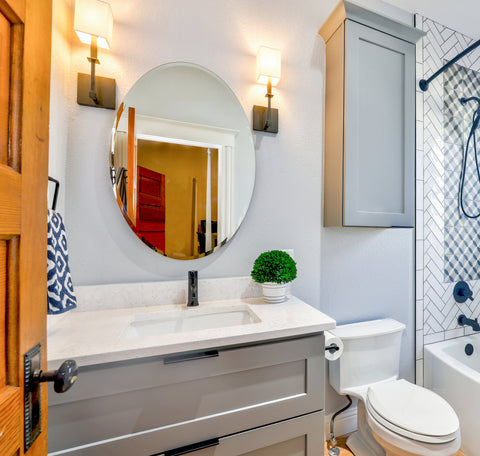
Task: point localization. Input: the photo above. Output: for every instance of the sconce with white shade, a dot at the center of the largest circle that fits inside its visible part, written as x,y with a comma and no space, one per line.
269,71
93,25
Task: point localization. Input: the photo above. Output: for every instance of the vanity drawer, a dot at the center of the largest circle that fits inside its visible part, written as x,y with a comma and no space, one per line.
195,400
297,436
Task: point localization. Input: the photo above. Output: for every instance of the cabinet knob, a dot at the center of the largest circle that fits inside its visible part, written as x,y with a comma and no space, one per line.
62,379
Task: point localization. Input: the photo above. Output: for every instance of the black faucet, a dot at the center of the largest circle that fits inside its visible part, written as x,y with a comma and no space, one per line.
192,289
464,321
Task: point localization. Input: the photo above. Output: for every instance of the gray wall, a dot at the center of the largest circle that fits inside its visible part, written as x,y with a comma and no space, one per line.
350,274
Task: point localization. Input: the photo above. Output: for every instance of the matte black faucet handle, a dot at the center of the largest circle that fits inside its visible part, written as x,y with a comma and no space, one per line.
63,378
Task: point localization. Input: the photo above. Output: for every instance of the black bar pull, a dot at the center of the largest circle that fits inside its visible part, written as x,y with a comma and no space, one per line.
190,356
190,448
62,379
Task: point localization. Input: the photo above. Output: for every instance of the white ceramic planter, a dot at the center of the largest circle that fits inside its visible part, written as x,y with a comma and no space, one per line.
274,292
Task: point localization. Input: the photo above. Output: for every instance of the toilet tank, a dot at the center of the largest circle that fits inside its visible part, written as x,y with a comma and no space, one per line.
371,354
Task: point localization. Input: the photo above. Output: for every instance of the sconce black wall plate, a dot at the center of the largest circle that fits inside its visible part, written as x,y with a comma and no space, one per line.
105,88
260,119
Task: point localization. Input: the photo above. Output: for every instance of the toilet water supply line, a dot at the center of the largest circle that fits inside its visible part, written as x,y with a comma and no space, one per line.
475,121
334,451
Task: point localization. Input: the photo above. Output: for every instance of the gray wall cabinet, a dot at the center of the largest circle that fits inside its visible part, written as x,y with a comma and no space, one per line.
146,407
369,167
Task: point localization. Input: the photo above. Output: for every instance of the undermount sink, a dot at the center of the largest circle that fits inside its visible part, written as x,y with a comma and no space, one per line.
188,319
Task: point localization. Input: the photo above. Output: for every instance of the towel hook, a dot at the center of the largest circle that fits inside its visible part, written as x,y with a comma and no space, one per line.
55,194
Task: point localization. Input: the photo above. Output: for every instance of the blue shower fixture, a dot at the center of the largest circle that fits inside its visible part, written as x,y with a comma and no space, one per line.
462,292
424,83
475,122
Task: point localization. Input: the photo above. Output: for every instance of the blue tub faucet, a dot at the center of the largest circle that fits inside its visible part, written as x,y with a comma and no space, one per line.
464,321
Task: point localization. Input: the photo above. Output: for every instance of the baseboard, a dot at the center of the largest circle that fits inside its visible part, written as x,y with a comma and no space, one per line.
345,423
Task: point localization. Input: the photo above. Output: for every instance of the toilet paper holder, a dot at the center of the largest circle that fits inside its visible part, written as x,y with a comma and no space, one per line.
332,348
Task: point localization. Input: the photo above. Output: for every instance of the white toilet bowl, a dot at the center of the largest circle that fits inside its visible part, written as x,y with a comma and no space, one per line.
409,420
395,417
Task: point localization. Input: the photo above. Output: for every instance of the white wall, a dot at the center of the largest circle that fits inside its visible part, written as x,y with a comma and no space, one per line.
223,36
60,102
351,274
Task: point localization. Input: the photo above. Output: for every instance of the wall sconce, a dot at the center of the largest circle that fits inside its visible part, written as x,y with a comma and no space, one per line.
94,26
269,64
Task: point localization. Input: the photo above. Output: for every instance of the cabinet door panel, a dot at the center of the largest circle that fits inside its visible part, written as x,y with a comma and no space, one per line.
379,162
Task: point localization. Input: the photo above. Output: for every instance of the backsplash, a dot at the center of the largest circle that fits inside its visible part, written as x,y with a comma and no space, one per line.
125,295
447,243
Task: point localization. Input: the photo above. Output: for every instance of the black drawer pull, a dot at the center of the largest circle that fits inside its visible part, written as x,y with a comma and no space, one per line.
190,448
190,356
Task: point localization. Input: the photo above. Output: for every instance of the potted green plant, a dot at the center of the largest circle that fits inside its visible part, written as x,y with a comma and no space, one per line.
274,269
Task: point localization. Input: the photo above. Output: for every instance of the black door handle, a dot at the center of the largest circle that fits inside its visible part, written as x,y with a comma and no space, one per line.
62,379
190,448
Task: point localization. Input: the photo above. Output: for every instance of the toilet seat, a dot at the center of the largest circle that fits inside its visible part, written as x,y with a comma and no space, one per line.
396,444
412,411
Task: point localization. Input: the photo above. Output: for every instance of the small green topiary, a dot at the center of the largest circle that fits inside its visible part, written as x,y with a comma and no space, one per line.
274,266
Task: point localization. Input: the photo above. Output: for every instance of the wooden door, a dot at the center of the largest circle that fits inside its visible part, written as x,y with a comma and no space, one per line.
25,35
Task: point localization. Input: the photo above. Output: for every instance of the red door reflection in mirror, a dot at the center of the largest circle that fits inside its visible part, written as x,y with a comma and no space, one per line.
150,224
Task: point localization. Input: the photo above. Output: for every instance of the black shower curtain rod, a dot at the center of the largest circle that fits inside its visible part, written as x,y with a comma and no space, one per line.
424,83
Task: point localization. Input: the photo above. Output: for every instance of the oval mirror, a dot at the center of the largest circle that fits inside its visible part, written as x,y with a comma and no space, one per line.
182,161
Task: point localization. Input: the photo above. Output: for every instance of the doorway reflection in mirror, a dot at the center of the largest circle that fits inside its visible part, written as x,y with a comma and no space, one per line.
179,200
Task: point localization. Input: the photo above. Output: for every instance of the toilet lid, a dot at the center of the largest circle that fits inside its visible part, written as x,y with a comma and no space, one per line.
415,409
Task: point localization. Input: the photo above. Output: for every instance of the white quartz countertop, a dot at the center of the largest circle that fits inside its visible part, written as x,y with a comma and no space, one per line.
96,337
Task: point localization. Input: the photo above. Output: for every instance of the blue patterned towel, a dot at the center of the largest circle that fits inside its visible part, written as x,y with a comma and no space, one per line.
61,296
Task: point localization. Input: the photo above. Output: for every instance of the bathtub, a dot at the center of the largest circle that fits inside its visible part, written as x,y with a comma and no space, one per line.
455,376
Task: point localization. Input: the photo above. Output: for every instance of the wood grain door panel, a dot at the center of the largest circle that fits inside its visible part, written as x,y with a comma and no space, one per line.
4,86
25,40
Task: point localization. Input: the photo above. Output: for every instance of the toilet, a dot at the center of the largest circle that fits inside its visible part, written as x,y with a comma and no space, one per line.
395,417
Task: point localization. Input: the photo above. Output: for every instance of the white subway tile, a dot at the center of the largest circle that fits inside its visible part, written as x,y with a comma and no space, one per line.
435,337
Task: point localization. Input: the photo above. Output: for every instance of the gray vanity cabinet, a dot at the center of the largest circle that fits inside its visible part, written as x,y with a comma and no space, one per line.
369,166
233,394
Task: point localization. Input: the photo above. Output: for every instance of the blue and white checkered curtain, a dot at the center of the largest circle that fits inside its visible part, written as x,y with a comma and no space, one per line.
61,296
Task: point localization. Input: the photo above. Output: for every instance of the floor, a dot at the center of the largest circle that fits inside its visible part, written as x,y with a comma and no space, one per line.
344,451
341,445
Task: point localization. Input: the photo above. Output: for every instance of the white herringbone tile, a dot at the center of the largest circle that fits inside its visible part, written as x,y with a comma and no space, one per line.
448,238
